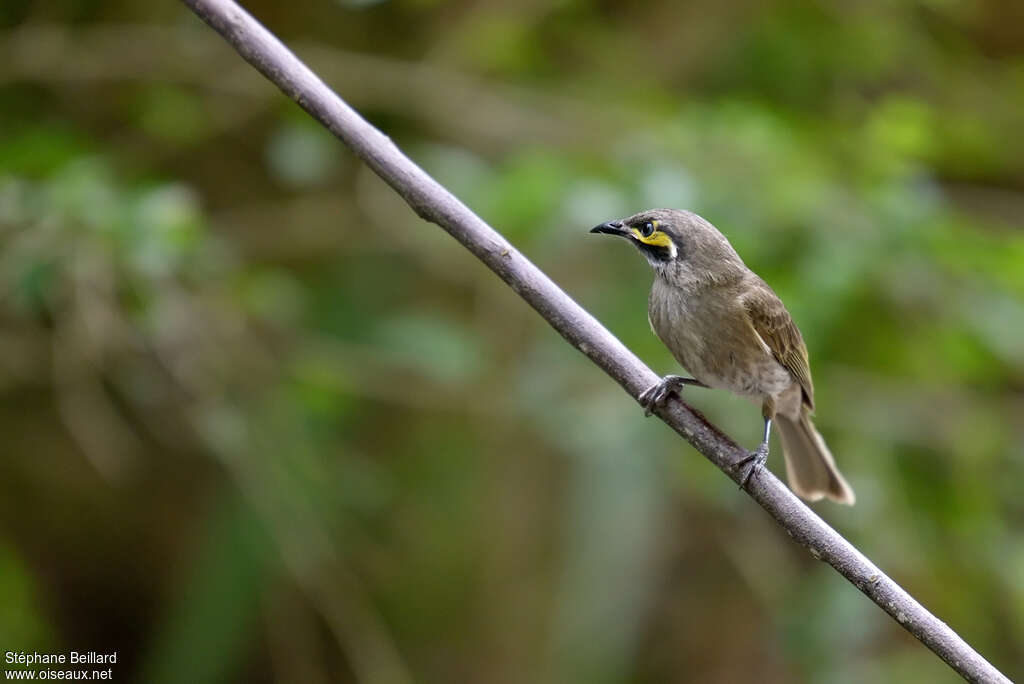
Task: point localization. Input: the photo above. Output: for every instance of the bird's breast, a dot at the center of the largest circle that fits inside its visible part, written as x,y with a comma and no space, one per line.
708,333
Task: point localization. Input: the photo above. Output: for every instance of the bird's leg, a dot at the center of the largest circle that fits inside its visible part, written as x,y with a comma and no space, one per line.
657,395
757,458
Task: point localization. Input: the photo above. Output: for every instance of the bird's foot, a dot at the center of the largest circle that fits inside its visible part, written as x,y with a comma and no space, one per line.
657,395
751,463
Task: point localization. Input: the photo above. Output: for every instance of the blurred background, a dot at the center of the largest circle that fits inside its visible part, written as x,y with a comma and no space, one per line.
260,423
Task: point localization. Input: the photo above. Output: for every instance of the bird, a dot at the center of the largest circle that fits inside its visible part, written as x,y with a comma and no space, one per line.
730,331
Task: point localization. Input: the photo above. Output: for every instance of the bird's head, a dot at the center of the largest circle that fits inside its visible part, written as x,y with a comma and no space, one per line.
675,242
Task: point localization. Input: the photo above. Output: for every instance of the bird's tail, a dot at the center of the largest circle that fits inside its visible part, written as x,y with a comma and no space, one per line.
811,471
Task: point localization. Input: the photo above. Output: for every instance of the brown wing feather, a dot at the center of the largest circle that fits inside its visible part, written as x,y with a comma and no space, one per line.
773,323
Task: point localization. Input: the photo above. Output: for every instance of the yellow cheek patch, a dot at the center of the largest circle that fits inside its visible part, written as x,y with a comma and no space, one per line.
655,239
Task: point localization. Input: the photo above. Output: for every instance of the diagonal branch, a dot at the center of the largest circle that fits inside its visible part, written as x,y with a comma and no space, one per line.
434,203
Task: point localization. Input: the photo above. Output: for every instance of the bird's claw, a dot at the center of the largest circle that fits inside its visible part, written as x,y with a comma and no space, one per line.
657,395
753,462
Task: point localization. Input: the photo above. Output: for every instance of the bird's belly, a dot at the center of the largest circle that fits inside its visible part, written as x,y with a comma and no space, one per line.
719,350
752,377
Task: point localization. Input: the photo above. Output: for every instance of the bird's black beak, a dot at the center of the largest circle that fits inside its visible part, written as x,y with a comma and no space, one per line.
611,228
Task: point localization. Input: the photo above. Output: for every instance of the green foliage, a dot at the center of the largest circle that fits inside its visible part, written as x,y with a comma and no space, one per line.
24,621
207,635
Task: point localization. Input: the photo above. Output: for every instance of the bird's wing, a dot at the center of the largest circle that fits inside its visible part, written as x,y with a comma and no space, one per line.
776,328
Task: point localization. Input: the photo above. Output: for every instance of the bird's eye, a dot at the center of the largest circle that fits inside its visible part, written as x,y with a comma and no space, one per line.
648,229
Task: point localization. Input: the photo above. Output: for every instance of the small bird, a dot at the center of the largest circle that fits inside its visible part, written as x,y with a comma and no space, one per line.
731,331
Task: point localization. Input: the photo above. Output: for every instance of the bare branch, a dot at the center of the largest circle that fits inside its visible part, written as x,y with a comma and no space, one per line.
434,203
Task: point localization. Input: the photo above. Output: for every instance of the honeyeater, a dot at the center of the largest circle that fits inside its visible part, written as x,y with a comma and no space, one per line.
731,331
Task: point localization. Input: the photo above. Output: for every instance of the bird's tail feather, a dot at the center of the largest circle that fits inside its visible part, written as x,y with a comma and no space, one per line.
811,471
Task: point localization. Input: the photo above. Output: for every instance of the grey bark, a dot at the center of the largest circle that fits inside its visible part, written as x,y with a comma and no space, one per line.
435,204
